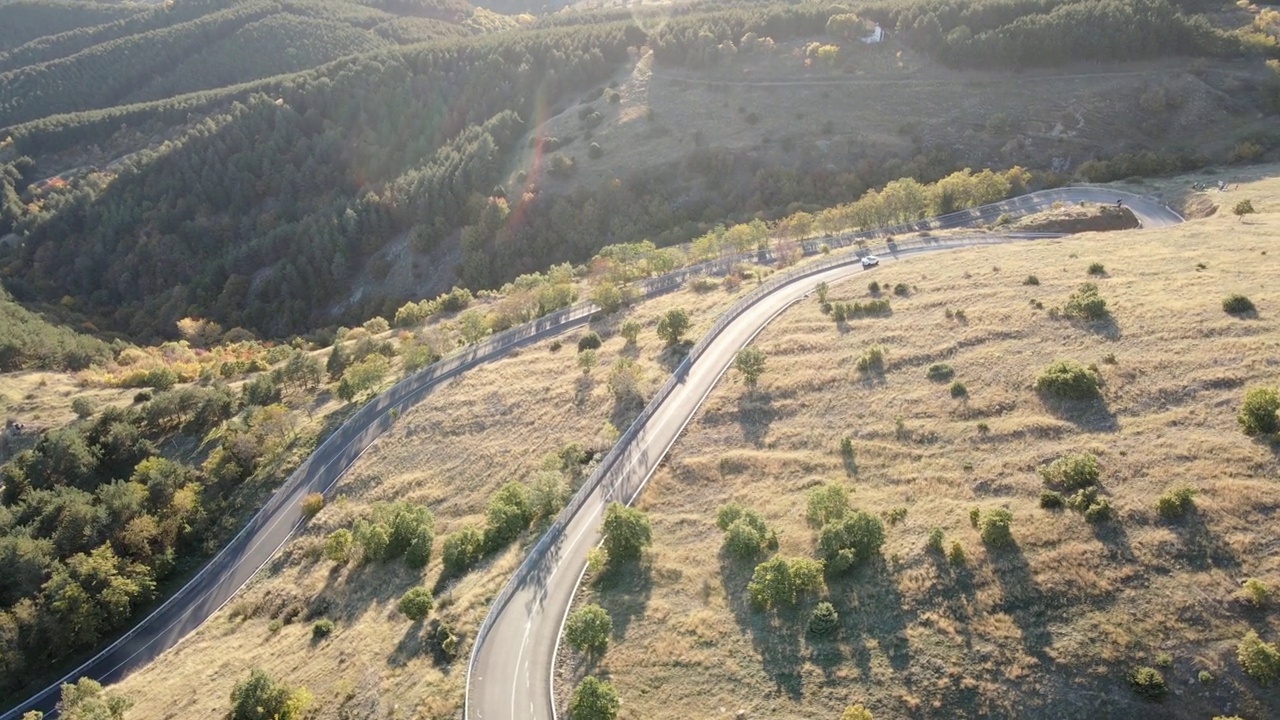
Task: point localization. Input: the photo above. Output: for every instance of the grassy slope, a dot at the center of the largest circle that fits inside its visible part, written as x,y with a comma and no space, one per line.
492,425
1049,629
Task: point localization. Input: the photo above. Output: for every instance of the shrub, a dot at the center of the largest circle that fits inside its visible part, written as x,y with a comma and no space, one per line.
940,372
856,712
630,331
587,629
1258,412
590,341
778,580
1031,280
872,360
312,504
1254,592
974,516
1176,502
850,541
673,326
82,408
750,361
1238,305
594,151
1097,269
1164,660
416,604
626,532
826,503
462,550
958,390
901,290
1260,660
337,548
874,288
1244,207
1148,683
275,626
1085,303
956,555
935,540
1205,677
1098,511
594,700
1068,379
509,513
1050,500
322,629
824,620
1072,471
614,97
995,527
261,696
846,446
376,325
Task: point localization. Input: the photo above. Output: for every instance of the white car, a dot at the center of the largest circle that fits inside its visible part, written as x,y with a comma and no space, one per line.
870,261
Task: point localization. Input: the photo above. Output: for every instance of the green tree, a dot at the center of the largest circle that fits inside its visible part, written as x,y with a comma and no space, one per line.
827,502
608,297
587,361
416,603
86,700
261,697
339,359
594,699
626,532
462,550
625,379
82,407
996,527
94,593
363,376
750,362
588,629
510,512
1260,660
337,548
673,326
1258,413
472,326
1242,208
778,580
851,540
824,620
630,330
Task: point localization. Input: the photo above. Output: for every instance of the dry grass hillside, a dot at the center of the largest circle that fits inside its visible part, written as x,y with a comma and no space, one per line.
451,453
1049,627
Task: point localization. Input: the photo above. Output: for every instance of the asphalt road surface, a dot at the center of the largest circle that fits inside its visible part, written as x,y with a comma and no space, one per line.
510,673
512,667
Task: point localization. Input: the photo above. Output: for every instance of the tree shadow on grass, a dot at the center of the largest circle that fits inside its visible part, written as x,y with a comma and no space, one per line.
1023,600
755,415
1092,415
624,592
582,391
1105,327
871,608
1201,548
672,356
1112,534
775,634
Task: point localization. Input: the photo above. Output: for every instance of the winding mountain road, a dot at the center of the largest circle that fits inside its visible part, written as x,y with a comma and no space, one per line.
510,671
514,657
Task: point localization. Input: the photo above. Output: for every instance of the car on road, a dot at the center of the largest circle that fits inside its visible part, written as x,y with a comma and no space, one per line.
870,261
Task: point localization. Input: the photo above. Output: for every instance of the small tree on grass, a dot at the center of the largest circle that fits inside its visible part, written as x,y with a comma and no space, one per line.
1254,592
824,620
462,550
778,581
673,326
850,540
1258,413
630,330
416,604
337,548
1176,502
856,712
625,378
1148,683
745,532
1072,471
594,699
587,629
82,407
827,502
509,514
1068,379
1085,303
362,377
1238,305
1242,208
1260,660
996,527
626,532
260,696
86,700
587,361
750,362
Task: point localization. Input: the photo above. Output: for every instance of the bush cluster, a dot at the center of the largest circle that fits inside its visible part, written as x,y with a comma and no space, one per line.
1148,683
1176,502
841,311
745,533
1068,380
872,359
940,372
1085,303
